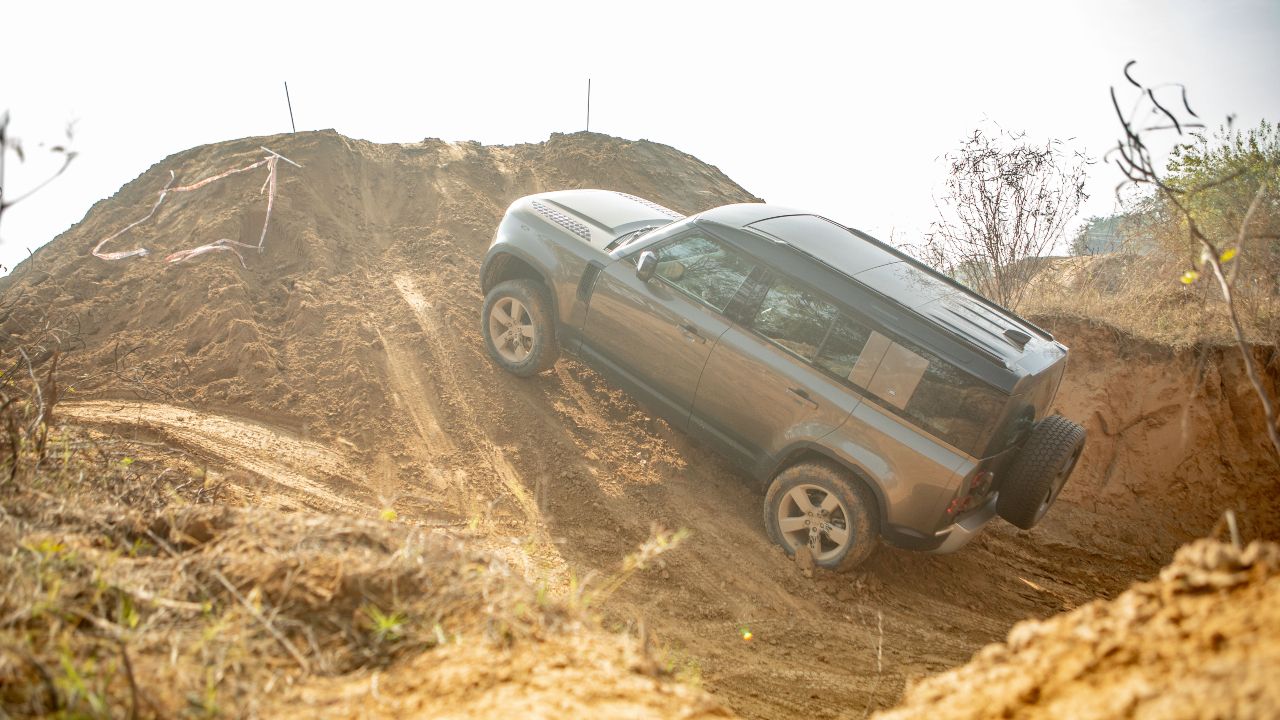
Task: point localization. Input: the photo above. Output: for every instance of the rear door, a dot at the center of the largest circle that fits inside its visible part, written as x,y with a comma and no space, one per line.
776,383
655,337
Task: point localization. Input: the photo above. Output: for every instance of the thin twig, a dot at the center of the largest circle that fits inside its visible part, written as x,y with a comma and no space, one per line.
879,661
133,684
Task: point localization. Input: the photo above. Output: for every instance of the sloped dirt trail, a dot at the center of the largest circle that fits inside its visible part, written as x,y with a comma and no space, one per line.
308,472
343,369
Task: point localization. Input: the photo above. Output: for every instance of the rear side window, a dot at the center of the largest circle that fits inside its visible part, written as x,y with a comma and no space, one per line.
898,375
915,383
954,405
794,319
703,268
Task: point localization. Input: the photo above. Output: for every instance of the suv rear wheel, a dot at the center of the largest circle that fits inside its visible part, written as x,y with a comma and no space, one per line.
822,506
517,327
1041,469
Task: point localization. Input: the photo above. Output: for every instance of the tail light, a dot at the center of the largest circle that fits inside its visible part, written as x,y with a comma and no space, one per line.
979,486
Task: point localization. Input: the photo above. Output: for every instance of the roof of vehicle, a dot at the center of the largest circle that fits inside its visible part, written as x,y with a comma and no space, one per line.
890,272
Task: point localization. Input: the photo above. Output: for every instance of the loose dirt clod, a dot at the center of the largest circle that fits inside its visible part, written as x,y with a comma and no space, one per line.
804,560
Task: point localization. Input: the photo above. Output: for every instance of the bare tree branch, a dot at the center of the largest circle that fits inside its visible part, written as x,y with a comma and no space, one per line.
1008,202
1134,158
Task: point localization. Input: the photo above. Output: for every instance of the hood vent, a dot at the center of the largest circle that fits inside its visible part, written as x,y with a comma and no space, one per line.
652,205
563,220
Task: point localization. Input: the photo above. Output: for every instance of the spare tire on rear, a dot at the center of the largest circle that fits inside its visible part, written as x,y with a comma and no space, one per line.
1036,477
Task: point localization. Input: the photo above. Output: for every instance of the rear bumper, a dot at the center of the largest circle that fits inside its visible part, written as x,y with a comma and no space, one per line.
959,533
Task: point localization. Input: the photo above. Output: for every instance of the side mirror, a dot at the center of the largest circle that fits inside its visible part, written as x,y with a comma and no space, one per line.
646,264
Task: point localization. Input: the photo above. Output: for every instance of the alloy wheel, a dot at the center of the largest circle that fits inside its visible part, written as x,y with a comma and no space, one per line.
511,328
811,515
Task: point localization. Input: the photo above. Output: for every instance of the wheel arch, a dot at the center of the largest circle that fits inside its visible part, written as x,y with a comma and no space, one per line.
511,264
809,452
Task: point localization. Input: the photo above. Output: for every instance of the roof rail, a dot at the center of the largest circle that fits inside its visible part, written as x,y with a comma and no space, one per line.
948,280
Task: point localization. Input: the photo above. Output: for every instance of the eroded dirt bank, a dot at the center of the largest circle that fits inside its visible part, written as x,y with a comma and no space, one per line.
1176,437
342,370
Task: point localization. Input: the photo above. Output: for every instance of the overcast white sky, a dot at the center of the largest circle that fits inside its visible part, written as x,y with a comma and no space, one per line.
840,108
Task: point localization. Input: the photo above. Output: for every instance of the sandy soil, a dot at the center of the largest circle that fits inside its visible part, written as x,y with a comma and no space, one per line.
1201,641
342,369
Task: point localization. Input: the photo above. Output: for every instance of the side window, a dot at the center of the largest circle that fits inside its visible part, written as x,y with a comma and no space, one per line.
843,347
703,268
957,407
794,319
922,387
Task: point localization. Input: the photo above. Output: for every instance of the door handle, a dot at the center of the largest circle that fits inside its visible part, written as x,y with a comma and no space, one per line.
802,395
690,331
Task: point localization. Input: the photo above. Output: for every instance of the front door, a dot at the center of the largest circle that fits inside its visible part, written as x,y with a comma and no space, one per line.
655,336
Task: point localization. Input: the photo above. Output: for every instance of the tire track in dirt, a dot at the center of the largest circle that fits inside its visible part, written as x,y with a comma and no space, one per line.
434,449
269,452
443,358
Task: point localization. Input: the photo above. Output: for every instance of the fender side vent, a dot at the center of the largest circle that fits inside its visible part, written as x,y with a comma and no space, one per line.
588,280
563,220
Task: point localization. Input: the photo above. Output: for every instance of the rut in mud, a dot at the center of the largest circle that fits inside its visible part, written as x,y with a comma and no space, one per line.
343,370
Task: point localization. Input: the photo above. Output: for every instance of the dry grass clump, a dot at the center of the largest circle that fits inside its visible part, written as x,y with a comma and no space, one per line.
127,591
203,609
1142,295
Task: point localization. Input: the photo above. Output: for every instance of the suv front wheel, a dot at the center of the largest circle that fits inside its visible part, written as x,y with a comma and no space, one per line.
821,506
517,327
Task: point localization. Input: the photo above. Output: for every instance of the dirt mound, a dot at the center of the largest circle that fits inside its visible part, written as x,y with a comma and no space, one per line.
1202,641
369,264
342,370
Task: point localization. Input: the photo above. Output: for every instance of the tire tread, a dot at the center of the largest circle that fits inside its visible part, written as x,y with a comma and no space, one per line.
1052,440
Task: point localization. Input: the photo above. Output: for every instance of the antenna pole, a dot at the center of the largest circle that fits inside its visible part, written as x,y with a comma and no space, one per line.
588,104
286,99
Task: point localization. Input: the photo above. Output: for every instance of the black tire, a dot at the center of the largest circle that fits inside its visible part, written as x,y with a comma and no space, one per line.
856,513
508,341
1037,476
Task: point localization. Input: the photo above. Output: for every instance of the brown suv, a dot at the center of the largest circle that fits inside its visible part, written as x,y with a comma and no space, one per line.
877,397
